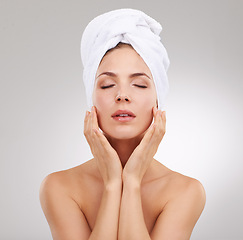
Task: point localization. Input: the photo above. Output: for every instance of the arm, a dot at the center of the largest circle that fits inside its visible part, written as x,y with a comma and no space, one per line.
108,162
106,225
66,219
175,222
63,214
131,222
178,217
180,214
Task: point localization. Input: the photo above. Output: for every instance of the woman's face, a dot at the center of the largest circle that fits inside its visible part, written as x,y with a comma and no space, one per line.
122,63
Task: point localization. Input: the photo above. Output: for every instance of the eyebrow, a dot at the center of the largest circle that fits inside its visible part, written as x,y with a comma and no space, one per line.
111,74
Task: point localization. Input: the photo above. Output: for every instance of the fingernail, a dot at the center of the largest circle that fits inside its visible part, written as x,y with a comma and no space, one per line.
86,114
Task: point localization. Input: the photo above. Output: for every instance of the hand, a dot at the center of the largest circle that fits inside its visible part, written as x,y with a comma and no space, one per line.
142,155
107,159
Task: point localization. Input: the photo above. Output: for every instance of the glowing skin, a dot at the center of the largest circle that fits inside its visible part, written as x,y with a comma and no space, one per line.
124,136
139,197
123,62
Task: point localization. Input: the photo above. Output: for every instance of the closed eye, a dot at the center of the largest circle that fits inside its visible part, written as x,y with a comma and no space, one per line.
141,86
103,87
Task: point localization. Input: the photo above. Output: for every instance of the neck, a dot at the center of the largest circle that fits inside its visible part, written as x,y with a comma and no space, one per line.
124,147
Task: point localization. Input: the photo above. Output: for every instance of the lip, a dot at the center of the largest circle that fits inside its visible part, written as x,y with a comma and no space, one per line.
123,119
125,111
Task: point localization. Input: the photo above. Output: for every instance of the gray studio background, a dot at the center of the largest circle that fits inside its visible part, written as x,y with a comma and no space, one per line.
42,104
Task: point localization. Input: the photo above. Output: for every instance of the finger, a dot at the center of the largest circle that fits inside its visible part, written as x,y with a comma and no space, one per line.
160,120
150,130
89,134
159,131
155,109
160,124
90,137
156,122
96,136
97,142
157,117
164,119
86,124
94,118
159,127
91,124
146,138
102,140
86,118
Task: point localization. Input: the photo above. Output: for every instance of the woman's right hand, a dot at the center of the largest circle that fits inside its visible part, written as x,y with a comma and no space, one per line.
106,157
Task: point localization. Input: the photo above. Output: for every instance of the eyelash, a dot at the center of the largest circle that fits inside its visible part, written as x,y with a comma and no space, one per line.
104,87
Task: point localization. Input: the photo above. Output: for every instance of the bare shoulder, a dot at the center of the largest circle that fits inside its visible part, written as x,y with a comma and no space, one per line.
65,181
176,186
184,203
54,190
58,197
185,194
188,187
56,181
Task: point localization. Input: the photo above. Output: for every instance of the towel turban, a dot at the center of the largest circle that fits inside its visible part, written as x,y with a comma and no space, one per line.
129,26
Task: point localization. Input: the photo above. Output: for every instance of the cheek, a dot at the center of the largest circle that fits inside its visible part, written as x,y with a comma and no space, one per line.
149,100
147,103
101,101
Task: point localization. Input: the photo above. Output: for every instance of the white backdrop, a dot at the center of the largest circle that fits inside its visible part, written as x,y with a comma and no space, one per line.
42,103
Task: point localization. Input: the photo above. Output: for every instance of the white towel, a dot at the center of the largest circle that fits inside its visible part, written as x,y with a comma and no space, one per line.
128,26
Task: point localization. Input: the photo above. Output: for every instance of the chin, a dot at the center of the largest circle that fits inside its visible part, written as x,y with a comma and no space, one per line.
123,134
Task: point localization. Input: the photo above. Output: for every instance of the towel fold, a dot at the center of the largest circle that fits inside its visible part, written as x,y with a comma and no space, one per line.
128,26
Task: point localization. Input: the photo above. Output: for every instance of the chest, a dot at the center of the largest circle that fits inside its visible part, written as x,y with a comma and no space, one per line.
152,204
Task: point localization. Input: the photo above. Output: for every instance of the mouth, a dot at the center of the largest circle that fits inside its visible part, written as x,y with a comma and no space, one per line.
123,116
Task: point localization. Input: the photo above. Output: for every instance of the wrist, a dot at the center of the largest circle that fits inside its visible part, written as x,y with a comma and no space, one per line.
115,185
131,182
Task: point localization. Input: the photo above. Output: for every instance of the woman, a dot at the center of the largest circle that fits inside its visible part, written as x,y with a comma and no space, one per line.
123,192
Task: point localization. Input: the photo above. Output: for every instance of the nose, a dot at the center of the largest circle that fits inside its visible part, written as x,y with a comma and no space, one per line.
123,92
122,97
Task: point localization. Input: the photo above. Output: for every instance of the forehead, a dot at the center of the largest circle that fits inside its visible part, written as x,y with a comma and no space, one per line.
123,59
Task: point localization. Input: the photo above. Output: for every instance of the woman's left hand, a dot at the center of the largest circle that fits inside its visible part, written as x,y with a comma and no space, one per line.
142,155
